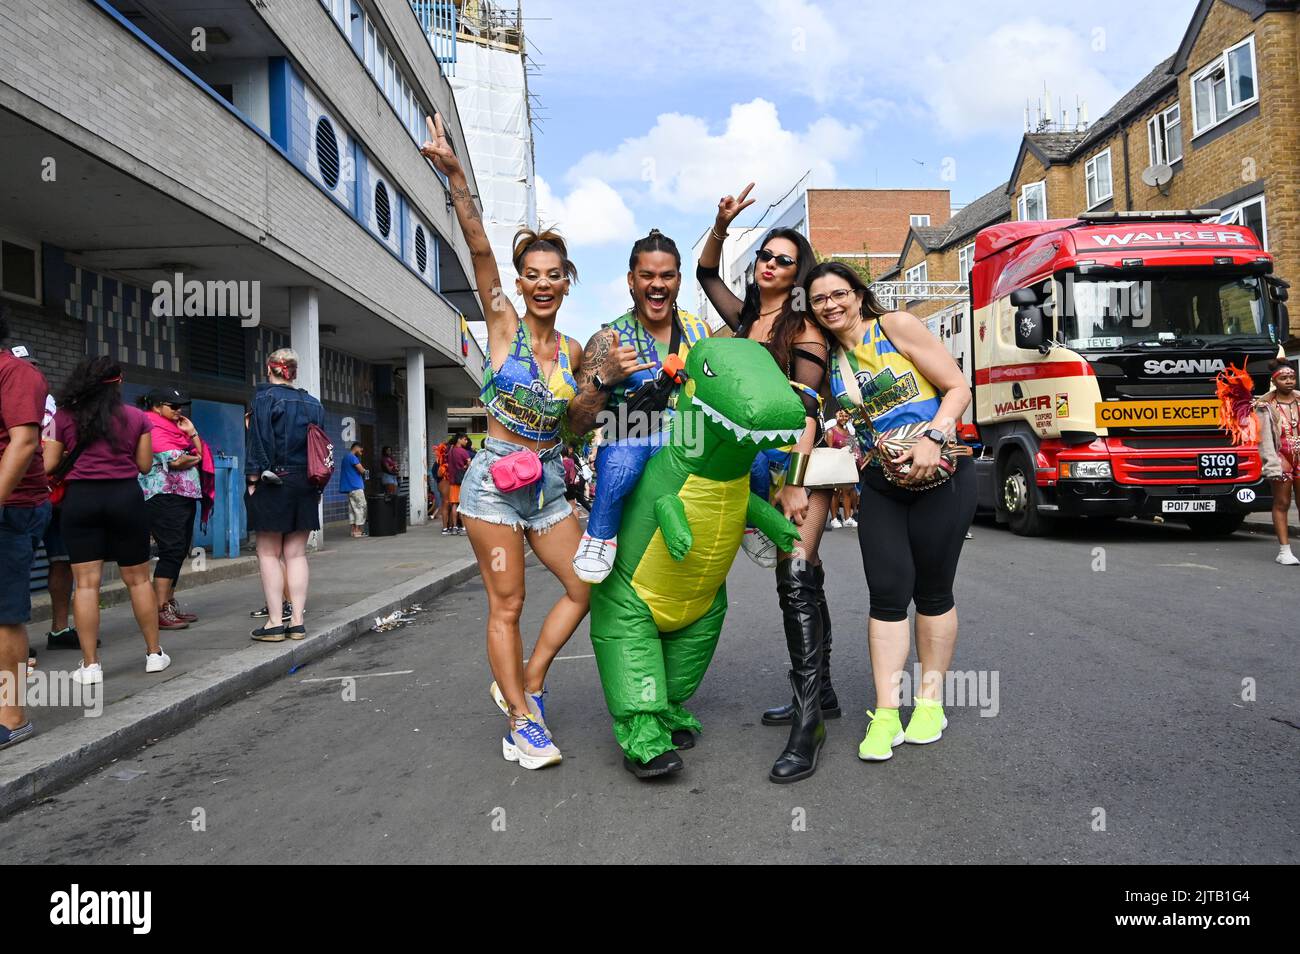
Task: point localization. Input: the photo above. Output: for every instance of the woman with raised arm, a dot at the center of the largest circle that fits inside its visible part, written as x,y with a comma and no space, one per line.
514,487
771,313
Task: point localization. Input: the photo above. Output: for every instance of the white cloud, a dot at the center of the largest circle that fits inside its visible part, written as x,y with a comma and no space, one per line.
679,163
592,213
1024,55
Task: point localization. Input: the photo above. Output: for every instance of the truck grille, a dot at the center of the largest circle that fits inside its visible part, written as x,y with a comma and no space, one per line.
1165,460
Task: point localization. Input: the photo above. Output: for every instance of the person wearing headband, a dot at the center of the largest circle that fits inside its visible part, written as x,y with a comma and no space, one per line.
99,450
1279,451
283,507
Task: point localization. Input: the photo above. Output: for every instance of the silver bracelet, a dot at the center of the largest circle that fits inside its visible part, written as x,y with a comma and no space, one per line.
720,238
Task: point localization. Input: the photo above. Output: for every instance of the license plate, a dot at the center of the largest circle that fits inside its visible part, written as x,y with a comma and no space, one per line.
1187,506
1216,466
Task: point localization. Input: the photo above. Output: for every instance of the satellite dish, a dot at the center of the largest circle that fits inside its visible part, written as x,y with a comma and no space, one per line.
1158,176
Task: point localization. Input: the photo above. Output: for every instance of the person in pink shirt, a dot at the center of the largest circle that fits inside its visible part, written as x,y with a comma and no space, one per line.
101,448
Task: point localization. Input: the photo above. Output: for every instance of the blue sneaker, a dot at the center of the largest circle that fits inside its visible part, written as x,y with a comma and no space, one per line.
10,737
536,704
528,744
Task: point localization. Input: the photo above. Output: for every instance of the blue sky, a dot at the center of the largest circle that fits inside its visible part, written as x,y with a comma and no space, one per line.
651,111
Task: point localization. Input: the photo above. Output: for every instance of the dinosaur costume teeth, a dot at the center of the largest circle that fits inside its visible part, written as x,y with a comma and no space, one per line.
655,620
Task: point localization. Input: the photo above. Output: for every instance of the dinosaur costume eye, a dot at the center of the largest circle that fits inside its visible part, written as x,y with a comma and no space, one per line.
708,372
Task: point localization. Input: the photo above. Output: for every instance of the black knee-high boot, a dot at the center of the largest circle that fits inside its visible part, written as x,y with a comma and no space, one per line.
780,715
796,587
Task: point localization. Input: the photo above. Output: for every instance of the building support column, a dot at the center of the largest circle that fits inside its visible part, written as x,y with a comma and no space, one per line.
417,439
304,338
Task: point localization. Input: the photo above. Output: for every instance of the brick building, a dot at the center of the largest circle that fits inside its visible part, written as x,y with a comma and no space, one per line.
1217,120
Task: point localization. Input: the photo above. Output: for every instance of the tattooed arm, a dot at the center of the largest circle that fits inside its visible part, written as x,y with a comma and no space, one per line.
614,362
502,320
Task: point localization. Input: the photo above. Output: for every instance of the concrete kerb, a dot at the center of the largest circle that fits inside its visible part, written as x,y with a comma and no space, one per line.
50,762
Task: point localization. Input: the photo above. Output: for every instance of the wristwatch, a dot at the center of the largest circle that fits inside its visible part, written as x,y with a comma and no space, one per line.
597,380
935,435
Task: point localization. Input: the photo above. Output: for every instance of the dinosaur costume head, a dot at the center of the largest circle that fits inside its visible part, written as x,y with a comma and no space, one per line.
741,401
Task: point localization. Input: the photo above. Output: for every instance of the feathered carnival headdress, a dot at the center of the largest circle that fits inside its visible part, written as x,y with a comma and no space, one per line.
1236,392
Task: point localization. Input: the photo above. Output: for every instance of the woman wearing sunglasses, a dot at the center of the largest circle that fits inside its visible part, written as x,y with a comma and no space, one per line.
769,314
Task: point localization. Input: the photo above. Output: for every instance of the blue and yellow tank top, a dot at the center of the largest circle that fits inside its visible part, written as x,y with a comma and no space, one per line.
894,392
632,332
517,396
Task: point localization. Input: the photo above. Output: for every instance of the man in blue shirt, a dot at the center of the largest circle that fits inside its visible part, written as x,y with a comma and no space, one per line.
352,477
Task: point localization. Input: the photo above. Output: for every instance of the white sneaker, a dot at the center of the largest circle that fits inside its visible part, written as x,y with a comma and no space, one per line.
528,744
157,662
758,546
594,559
1287,558
850,522
536,705
835,523
88,675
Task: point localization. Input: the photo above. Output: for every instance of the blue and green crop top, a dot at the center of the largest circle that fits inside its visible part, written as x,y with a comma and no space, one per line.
516,395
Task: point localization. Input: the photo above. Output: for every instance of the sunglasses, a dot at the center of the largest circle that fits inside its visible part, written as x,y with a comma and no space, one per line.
766,255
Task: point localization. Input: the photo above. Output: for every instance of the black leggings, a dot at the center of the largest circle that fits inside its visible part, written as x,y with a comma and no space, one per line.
105,520
911,541
171,521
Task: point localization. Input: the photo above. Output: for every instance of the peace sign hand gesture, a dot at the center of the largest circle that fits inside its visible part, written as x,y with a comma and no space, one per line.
731,206
438,149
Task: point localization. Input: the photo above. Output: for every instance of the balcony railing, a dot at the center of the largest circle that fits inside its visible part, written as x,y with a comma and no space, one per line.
891,293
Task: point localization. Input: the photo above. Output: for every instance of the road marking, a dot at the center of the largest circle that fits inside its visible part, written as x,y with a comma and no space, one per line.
588,656
1190,566
364,675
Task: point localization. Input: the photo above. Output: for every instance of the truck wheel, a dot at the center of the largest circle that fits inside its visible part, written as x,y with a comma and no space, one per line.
1215,524
1019,496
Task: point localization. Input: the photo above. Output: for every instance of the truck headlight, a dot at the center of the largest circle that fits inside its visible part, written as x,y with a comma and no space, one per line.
1085,470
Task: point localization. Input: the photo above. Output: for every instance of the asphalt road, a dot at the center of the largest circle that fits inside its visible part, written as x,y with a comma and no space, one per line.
1119,703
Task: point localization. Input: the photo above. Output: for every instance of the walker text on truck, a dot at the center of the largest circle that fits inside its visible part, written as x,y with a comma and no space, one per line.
1094,347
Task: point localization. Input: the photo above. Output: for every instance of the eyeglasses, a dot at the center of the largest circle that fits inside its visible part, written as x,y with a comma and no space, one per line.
766,255
839,296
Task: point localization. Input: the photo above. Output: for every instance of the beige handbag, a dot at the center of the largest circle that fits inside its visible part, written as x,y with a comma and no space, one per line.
890,444
830,468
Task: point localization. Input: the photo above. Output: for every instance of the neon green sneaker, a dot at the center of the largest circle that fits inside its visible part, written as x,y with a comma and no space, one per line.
885,732
927,723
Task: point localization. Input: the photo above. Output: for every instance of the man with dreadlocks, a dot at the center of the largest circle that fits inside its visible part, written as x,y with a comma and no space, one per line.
626,384
1279,451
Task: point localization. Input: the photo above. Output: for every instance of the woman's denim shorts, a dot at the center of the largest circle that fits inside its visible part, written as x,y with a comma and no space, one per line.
531,507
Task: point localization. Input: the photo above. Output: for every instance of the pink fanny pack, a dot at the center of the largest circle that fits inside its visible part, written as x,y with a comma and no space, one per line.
516,471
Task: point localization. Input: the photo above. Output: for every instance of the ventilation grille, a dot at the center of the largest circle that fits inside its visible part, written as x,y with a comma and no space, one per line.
216,347
383,212
421,250
327,152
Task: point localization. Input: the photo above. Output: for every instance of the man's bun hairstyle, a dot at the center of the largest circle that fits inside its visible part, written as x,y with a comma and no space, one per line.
547,240
656,241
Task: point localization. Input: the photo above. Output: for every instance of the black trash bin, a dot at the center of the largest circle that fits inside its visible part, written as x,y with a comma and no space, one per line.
401,507
383,522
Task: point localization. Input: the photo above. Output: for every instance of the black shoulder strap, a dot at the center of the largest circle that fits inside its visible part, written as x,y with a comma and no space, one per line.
65,466
675,340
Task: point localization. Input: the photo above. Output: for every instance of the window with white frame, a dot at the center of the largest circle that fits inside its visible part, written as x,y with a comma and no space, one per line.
916,274
1165,136
1225,86
1250,214
370,47
1032,204
920,220
1097,180
965,259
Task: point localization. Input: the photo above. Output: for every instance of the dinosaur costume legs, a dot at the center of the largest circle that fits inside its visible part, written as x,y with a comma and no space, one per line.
648,676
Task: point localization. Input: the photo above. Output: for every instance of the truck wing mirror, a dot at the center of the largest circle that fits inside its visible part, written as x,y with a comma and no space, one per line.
1024,296
1029,327
1283,324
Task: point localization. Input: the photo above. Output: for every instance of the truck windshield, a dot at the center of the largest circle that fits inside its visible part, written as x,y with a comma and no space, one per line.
1161,309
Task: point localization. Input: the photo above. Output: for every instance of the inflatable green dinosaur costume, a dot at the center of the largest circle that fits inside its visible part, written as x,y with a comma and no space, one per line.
655,620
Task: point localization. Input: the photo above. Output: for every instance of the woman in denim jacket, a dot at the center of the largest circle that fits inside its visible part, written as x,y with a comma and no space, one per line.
282,506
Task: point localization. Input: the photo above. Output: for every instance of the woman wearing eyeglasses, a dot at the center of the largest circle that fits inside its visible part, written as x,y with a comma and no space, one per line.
769,314
888,371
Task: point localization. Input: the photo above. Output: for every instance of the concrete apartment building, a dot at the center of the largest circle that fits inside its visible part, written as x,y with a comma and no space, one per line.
274,146
1215,125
